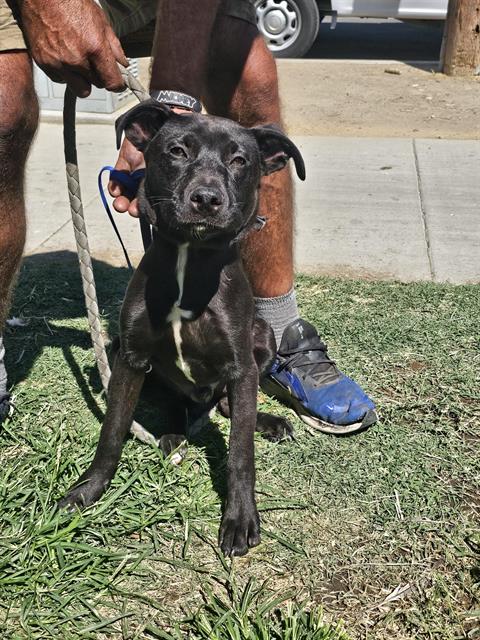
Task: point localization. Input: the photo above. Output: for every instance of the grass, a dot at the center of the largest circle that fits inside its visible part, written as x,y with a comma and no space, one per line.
377,532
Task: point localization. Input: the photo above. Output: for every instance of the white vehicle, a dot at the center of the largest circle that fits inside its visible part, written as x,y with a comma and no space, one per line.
291,26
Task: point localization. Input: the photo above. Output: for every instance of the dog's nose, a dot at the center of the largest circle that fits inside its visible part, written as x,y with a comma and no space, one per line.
206,199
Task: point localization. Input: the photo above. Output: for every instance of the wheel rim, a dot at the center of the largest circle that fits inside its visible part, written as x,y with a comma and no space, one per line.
279,21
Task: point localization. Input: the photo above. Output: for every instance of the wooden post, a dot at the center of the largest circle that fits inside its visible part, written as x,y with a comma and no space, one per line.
461,45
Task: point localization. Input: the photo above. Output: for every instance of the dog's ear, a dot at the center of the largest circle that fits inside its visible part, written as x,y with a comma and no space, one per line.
276,150
141,123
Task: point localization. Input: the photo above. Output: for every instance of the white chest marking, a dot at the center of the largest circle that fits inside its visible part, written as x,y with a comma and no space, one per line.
177,313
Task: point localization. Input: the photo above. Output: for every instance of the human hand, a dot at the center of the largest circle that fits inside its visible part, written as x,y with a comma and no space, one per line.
129,160
73,42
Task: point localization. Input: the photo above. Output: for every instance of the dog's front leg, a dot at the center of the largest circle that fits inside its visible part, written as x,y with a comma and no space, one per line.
240,528
123,392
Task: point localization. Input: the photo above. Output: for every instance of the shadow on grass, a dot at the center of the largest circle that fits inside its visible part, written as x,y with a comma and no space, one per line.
212,442
49,296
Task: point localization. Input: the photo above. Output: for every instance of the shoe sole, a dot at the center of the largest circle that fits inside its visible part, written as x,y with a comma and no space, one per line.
339,429
284,395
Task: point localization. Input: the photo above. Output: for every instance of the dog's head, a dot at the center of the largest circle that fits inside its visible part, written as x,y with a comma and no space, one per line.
203,173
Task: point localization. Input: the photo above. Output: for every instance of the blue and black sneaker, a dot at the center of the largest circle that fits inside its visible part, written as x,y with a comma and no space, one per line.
303,377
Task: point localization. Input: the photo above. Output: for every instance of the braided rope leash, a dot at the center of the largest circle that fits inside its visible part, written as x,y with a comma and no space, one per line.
81,238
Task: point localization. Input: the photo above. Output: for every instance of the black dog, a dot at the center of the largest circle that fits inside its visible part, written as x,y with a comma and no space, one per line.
188,312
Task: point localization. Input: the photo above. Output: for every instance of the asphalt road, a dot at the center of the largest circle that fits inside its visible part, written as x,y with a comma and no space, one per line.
378,39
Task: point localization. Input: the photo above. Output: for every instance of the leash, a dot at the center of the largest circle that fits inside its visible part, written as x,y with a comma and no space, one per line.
81,238
130,182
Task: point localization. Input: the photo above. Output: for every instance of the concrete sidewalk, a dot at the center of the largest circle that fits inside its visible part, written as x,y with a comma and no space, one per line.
380,208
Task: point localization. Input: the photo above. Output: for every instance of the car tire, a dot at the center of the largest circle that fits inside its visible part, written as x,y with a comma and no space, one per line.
288,26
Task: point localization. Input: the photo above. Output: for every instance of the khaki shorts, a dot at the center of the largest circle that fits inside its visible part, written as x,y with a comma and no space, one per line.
126,16
11,36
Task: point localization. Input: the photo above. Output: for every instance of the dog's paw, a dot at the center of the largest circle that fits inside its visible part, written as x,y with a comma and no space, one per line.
274,428
239,531
175,446
83,494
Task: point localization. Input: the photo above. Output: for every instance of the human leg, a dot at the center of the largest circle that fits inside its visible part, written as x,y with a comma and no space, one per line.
18,121
242,84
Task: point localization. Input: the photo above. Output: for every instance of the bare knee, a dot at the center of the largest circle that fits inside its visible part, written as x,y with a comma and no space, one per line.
18,113
18,122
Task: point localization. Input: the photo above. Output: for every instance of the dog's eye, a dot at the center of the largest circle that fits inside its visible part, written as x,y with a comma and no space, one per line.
238,161
178,152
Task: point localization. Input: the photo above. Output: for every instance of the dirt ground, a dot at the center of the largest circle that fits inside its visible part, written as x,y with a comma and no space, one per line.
365,99
377,100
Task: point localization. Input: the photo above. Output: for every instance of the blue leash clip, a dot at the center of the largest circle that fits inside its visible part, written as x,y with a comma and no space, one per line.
130,183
